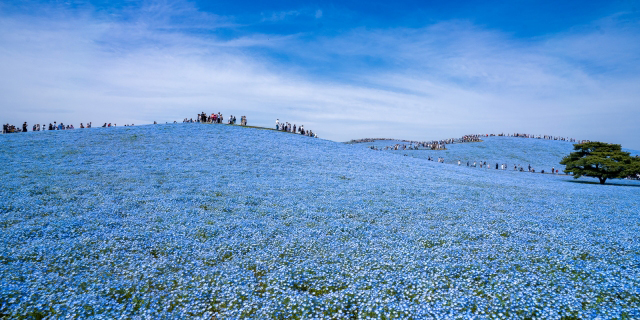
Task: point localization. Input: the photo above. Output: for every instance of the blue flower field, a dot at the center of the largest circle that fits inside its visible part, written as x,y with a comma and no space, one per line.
217,221
540,154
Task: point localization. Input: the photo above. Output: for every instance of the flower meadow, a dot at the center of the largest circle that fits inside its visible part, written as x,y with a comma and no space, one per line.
218,221
539,153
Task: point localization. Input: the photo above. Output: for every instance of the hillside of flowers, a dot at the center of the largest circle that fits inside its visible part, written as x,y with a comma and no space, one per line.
539,153
217,221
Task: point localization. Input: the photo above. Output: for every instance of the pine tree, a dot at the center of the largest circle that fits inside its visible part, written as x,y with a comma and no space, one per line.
633,170
600,160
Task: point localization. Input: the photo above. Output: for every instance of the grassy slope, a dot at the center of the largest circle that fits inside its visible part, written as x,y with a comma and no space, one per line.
541,154
230,221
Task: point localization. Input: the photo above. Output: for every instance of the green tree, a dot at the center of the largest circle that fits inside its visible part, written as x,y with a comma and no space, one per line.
633,170
600,160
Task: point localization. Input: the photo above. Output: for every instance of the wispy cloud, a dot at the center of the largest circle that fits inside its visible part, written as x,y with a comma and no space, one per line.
279,16
445,79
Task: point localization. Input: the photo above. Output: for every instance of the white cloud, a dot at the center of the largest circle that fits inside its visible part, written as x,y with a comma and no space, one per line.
440,81
279,16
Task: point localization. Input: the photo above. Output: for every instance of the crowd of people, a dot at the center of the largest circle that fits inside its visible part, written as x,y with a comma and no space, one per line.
533,136
8,128
218,118
516,167
288,127
438,145
498,166
109,125
200,118
441,145
422,145
504,166
214,118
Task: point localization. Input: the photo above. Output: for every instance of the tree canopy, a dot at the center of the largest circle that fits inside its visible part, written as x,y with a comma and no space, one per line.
600,160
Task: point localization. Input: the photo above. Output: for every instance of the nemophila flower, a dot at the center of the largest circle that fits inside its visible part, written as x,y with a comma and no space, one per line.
218,221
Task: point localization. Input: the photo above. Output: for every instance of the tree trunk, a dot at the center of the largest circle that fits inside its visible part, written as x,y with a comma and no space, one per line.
602,180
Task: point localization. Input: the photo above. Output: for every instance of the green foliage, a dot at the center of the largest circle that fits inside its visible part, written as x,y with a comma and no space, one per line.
600,160
633,168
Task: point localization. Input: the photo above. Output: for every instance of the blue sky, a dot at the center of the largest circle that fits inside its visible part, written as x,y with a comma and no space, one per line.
413,70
